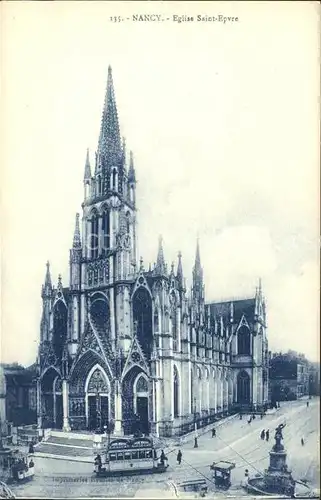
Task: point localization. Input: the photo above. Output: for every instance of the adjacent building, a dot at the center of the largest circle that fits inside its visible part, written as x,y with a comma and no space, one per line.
289,376
124,345
18,395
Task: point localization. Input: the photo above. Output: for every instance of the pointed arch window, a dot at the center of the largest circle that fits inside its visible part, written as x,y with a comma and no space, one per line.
127,222
156,321
114,179
143,318
142,384
243,341
94,236
105,232
174,320
97,383
60,316
176,392
99,186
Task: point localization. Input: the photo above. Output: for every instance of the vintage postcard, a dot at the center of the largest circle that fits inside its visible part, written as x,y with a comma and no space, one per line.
160,249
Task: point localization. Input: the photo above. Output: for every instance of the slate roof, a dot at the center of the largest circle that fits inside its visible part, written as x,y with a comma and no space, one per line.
240,307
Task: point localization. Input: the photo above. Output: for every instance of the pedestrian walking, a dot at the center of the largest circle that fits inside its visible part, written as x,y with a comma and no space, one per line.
253,416
302,441
267,435
262,435
213,432
31,448
179,457
249,420
98,463
162,457
307,404
241,416
261,415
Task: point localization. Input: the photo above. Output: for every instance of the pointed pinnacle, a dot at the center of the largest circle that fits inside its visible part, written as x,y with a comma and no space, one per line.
260,285
77,239
180,268
160,262
197,257
48,275
87,174
131,171
59,281
124,147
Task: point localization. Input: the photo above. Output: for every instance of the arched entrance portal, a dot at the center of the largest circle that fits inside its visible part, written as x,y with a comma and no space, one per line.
243,388
51,391
141,395
97,399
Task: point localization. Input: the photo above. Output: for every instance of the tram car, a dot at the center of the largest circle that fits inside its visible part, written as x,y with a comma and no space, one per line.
131,456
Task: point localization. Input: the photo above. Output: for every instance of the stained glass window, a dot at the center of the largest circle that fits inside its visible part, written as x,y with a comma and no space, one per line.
97,382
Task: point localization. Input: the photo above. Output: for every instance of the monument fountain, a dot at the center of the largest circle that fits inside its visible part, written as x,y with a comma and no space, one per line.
277,478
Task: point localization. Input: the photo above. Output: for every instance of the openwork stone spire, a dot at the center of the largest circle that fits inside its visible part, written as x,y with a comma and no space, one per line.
109,145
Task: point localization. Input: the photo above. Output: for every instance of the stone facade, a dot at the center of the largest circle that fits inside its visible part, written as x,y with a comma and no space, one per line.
125,346
288,376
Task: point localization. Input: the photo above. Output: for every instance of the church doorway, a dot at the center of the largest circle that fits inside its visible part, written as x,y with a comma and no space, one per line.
98,411
141,399
142,412
243,388
97,399
51,399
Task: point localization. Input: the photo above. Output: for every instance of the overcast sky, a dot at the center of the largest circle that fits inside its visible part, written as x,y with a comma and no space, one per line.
223,123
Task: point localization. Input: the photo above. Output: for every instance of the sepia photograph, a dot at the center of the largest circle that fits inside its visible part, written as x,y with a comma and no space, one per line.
160,244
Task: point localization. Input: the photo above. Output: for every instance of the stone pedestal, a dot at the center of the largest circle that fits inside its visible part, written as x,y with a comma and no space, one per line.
277,479
118,430
66,426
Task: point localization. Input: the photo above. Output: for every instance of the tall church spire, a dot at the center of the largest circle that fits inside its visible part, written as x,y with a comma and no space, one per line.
160,267
109,145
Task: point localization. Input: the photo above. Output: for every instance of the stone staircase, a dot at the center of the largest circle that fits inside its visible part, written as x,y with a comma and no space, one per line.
68,446
62,450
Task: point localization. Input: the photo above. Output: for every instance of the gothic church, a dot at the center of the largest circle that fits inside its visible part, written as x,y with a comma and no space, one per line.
126,347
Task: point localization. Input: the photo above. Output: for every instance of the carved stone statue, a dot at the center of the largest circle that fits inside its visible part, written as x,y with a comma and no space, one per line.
278,437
